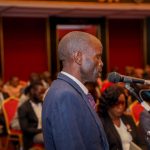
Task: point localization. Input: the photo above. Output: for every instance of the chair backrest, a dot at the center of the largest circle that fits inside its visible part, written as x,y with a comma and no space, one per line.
9,107
136,108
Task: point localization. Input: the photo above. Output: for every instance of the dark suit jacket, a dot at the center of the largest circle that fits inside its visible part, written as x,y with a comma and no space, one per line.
113,137
69,121
145,126
28,123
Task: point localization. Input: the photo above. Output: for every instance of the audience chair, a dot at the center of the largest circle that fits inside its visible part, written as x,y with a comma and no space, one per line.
9,107
136,108
37,147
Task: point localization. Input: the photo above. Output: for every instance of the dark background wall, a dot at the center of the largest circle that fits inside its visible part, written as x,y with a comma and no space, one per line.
25,45
125,43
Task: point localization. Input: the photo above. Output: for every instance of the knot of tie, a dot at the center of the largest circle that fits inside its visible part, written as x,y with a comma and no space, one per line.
91,100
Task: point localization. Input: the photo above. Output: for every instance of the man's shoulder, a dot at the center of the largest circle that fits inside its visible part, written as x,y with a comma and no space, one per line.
58,89
59,86
60,92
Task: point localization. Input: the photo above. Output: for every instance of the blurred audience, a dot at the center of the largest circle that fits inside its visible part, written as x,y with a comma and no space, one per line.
129,71
23,98
46,79
111,99
147,72
34,77
13,87
138,73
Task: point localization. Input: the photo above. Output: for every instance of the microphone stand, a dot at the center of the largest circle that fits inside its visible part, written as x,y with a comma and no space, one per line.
139,98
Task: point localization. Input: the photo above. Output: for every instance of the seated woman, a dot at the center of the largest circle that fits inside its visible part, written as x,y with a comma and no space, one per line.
120,128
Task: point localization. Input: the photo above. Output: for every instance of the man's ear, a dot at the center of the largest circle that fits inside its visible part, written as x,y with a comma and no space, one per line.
78,57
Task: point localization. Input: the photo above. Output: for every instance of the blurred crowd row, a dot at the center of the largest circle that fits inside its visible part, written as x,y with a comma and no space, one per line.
114,104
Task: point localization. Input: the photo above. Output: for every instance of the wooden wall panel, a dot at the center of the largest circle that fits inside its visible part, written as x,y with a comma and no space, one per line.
24,46
148,40
125,43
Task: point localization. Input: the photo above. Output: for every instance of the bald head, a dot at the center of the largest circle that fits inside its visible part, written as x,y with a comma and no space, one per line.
72,42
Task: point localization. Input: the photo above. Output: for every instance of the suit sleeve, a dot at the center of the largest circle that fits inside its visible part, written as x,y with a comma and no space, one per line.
145,126
145,121
66,122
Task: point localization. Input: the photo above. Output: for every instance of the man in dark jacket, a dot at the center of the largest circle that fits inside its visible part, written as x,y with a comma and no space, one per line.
30,116
69,118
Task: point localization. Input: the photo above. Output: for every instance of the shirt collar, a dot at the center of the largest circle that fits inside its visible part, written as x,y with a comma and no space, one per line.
82,86
35,104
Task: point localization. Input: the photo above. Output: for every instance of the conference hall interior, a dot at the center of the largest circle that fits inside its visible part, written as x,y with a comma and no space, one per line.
30,31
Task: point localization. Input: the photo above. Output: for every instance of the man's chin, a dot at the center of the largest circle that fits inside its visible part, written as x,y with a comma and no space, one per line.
93,78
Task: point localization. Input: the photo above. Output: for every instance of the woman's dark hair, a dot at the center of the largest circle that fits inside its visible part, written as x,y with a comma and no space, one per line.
109,98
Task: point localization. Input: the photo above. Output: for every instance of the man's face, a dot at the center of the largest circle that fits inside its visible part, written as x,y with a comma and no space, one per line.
37,93
92,64
15,81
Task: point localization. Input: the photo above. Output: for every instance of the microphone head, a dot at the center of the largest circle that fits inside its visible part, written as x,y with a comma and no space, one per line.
114,77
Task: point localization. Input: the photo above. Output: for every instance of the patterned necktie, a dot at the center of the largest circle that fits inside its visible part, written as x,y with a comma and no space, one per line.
104,142
91,100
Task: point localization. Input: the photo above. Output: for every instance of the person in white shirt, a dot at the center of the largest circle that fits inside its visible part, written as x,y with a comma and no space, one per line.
120,128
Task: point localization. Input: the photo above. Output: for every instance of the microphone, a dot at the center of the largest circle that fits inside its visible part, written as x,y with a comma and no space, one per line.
116,77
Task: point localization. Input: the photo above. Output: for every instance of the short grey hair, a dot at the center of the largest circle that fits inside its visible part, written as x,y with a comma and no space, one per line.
72,42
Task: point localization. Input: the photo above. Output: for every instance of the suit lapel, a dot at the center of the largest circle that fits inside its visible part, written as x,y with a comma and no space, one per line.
80,91
32,111
113,131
